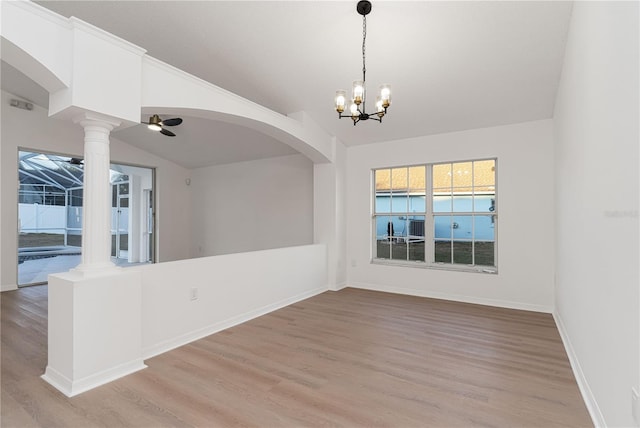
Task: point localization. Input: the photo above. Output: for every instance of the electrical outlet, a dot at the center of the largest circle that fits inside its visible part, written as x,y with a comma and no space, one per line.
354,263
635,403
194,294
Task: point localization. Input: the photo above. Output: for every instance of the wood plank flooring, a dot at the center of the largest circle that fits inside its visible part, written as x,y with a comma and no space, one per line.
351,358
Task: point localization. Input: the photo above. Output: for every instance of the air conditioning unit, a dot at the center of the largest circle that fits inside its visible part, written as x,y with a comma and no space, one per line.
416,227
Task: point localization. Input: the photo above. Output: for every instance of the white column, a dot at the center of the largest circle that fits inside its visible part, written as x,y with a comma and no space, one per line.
96,303
96,201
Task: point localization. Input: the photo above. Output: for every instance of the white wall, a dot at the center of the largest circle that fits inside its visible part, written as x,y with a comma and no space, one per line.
329,222
525,216
254,205
35,130
341,214
230,289
596,131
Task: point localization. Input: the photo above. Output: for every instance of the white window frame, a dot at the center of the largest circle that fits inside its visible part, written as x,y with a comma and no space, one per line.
429,216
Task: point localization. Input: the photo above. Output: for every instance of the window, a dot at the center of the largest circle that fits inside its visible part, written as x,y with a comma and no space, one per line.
436,215
400,209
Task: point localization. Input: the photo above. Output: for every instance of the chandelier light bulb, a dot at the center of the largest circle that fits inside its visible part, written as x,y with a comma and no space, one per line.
358,91
379,107
385,95
341,99
354,110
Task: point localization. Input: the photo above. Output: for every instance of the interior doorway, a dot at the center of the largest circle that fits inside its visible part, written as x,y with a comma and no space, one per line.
50,200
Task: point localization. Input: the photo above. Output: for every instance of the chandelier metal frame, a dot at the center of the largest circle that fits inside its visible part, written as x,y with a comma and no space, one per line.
358,100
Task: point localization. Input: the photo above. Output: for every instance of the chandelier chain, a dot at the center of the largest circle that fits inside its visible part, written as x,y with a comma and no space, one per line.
364,38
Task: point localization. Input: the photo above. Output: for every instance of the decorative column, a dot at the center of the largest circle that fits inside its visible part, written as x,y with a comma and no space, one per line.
96,199
97,302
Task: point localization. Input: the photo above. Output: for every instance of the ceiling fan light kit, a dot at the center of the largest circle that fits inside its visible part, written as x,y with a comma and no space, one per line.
357,108
154,123
157,124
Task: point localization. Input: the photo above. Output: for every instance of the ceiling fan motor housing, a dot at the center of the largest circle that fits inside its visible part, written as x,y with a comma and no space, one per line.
157,124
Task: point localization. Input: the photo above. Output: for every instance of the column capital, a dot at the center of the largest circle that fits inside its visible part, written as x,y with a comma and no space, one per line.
89,118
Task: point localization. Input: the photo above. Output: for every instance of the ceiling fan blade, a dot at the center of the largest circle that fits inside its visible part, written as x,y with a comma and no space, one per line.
167,133
172,122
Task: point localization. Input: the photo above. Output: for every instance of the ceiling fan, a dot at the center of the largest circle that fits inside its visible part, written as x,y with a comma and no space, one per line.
71,161
76,161
157,124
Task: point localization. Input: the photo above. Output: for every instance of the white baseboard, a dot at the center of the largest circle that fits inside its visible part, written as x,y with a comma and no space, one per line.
8,287
58,380
453,297
338,287
167,345
71,388
583,385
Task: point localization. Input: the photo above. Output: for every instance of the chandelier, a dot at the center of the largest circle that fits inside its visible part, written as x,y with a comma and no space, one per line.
357,109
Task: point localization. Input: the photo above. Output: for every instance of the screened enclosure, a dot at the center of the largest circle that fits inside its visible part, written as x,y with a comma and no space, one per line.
50,198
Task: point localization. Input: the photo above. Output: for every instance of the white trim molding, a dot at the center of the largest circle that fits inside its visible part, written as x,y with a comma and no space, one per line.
71,388
79,24
8,287
41,11
338,287
587,395
454,297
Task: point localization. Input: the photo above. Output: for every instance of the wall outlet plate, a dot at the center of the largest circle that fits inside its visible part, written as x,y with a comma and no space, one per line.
635,403
194,294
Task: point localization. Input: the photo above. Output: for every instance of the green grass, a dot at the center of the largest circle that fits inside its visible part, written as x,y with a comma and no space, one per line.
462,252
27,240
30,240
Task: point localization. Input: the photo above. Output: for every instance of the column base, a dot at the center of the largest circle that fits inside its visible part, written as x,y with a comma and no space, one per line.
96,269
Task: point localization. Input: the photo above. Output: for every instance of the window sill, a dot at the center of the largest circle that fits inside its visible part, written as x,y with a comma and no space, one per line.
437,266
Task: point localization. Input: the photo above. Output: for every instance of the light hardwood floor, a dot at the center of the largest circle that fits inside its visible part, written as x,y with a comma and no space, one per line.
350,358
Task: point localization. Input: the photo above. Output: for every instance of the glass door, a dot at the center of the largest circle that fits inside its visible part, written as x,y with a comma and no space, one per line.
120,220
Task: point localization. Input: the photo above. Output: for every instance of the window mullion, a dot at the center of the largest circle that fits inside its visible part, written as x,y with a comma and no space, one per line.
406,228
429,227
495,213
390,218
473,239
473,217
406,216
373,252
451,217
